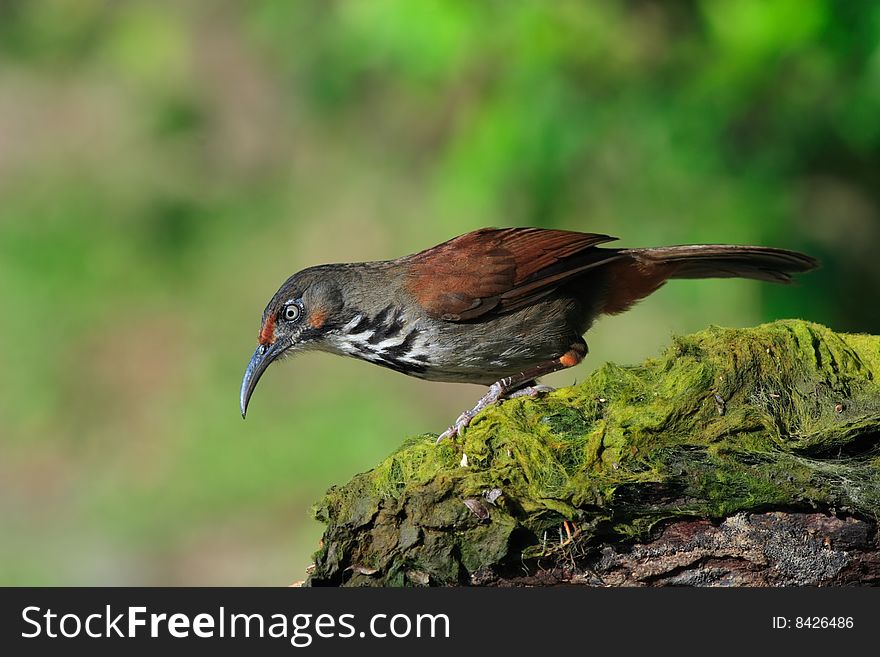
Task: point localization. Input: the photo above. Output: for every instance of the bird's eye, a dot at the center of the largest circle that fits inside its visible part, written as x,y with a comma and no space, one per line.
291,313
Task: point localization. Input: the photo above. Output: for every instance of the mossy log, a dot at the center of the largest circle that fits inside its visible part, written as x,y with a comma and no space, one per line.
739,456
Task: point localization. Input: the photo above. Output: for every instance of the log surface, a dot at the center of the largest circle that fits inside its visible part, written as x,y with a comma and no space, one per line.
738,457
766,549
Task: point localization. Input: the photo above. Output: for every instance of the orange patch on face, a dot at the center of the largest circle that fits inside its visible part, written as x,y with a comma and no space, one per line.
317,318
570,359
267,335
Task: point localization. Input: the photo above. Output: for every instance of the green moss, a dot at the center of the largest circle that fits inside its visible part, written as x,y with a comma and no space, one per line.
727,420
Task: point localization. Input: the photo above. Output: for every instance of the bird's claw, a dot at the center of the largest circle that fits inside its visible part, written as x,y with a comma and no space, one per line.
493,396
460,424
497,392
532,392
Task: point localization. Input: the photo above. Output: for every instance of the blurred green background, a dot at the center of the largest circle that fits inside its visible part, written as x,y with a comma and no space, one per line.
164,166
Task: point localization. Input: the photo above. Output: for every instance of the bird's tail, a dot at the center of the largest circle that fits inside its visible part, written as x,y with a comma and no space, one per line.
725,261
641,271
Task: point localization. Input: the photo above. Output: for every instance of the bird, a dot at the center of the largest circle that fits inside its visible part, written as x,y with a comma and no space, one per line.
499,307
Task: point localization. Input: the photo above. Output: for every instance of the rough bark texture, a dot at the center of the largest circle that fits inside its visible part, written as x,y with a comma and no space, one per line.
739,457
765,549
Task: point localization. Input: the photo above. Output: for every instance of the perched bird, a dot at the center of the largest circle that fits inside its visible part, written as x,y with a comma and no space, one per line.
499,307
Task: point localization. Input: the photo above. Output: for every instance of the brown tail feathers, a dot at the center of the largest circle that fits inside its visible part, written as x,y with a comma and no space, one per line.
644,270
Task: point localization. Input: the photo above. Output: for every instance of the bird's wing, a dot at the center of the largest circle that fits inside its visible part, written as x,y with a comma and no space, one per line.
499,269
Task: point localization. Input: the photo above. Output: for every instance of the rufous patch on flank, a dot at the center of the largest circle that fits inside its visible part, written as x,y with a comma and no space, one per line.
317,318
570,359
267,335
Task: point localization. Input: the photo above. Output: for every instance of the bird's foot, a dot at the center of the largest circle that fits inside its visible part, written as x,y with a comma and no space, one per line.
531,391
495,394
463,421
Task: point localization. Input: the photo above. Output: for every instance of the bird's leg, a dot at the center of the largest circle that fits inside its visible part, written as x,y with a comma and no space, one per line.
502,388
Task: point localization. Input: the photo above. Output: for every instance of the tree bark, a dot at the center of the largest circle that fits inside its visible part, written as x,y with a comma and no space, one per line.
739,457
765,549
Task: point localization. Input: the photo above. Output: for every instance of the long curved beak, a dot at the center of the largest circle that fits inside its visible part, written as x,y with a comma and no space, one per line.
262,358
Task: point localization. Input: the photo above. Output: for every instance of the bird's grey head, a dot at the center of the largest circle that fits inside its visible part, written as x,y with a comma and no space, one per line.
303,310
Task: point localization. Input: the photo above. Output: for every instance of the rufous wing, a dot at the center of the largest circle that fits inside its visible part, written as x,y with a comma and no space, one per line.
499,269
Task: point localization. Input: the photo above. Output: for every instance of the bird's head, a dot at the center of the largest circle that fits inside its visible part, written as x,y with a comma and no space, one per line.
298,317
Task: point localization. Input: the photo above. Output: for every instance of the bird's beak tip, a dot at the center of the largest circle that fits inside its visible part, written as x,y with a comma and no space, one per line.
261,359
